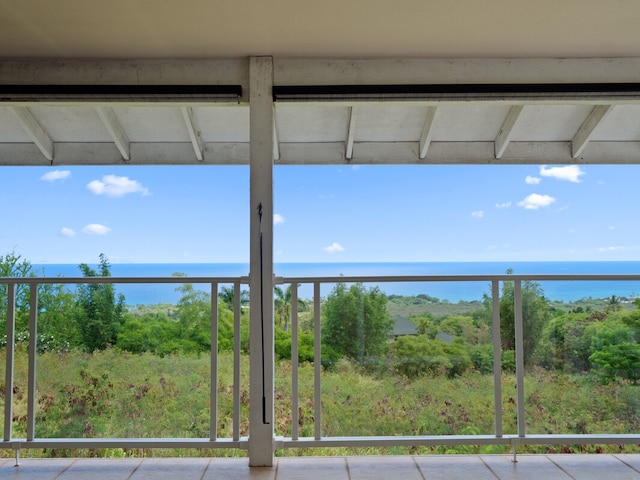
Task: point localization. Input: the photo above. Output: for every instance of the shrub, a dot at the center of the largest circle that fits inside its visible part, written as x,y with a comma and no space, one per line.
419,355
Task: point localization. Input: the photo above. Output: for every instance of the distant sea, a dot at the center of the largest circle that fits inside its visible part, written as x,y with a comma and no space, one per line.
451,291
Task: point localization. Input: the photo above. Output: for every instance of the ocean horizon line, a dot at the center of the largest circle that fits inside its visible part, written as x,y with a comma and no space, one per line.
450,291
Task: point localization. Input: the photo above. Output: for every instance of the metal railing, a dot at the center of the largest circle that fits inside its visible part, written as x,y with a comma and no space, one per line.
499,437
31,441
295,440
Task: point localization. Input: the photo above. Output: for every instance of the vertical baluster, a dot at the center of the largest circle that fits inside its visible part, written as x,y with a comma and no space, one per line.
213,389
33,350
317,362
236,361
294,361
519,334
497,361
9,361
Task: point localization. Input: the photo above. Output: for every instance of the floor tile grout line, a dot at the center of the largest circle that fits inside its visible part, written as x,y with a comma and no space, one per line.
488,467
625,463
346,466
557,465
65,469
418,467
204,472
135,469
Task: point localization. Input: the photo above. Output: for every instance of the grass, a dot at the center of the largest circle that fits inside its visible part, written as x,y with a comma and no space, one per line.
114,394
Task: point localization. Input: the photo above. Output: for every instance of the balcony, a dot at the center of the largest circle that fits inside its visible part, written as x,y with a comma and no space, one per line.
296,417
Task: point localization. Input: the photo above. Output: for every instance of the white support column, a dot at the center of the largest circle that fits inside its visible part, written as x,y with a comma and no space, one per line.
261,440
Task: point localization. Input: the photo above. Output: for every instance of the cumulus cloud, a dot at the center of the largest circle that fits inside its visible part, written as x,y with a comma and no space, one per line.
477,214
114,186
535,201
570,173
96,229
67,232
532,180
609,249
334,248
56,175
503,205
277,219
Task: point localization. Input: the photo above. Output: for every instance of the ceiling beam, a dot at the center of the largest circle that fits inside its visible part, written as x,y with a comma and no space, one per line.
504,136
35,131
585,132
433,71
194,134
115,129
327,153
353,113
427,131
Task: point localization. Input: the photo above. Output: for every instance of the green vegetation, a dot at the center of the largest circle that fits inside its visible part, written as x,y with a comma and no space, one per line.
107,370
356,322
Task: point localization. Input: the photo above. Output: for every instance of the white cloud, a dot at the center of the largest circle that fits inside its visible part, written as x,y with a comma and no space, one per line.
277,219
535,201
477,214
113,186
67,232
610,249
570,173
334,248
503,205
96,229
532,180
56,175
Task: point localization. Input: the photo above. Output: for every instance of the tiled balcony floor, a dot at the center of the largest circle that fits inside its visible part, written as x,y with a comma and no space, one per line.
451,467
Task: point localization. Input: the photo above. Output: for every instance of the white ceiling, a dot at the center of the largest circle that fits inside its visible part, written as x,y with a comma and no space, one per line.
327,28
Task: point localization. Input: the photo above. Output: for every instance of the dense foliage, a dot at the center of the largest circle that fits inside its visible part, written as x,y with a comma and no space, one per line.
99,314
356,321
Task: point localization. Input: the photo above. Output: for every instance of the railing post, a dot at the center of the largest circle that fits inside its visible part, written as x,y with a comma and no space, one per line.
294,362
33,351
519,340
236,360
317,363
9,361
261,440
213,388
497,357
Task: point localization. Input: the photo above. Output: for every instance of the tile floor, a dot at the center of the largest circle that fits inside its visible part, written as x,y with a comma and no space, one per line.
450,467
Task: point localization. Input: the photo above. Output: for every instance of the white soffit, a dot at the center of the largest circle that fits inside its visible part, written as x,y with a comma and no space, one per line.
313,127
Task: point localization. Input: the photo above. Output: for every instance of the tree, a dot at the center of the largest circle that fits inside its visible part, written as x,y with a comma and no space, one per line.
194,320
613,304
99,313
356,321
535,315
11,265
194,317
282,304
226,296
619,360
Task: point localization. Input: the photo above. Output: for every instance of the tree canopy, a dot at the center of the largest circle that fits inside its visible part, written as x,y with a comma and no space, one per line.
356,322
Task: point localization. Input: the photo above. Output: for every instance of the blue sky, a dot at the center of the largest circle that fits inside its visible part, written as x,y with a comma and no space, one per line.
323,213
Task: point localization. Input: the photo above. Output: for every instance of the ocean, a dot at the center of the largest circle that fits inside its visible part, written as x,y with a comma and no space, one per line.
451,291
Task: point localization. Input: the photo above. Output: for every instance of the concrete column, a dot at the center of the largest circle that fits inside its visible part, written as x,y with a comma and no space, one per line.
261,440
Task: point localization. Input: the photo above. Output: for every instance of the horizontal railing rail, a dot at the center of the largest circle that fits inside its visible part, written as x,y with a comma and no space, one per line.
295,440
